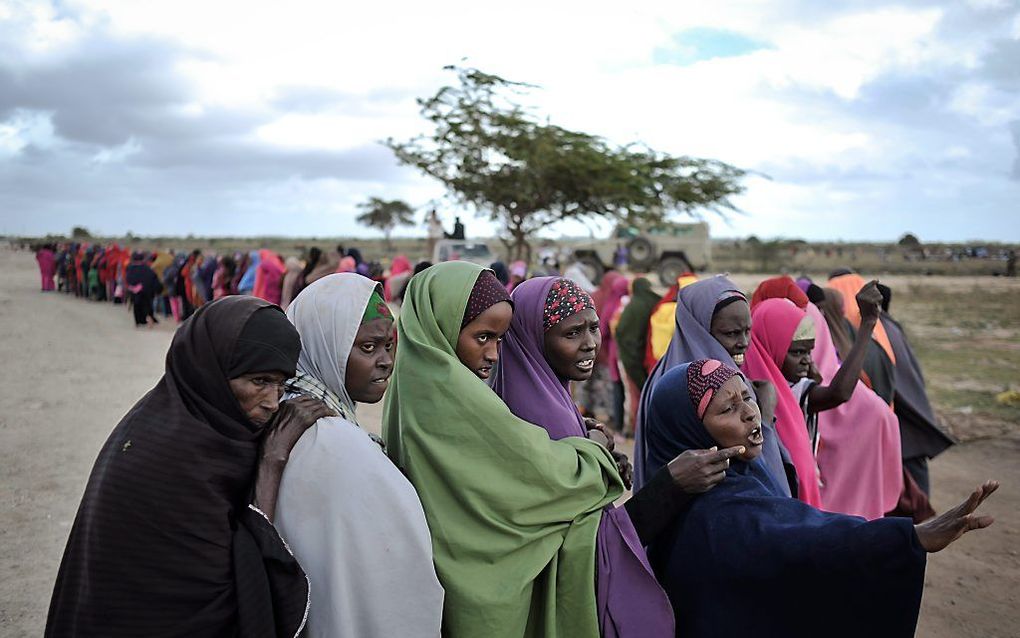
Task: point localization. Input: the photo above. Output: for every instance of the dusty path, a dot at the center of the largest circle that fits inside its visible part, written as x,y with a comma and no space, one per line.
72,369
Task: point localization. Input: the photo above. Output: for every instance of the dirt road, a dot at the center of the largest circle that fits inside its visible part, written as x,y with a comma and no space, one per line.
72,369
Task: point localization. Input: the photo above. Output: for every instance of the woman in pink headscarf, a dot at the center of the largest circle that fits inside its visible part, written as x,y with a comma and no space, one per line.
859,442
774,327
853,433
400,273
347,264
518,273
269,277
47,267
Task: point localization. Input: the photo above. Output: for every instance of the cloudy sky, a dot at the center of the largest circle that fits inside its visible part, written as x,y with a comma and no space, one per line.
869,118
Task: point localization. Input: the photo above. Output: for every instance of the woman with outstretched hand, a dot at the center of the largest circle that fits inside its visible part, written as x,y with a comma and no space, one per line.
743,558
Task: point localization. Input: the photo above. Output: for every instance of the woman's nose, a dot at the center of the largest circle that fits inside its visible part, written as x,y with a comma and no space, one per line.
491,352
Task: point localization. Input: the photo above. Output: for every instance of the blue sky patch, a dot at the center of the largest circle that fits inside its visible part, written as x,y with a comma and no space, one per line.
703,43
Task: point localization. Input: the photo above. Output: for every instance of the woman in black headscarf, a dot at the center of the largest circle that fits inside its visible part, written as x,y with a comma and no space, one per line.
144,285
174,534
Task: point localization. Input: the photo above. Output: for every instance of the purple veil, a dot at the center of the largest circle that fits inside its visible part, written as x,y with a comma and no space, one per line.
629,598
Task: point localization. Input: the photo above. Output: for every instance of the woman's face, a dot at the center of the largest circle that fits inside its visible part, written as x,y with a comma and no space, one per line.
732,418
572,345
797,364
478,343
370,363
731,327
259,394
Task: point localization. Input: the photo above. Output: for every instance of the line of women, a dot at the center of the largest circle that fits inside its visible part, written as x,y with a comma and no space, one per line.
489,506
176,284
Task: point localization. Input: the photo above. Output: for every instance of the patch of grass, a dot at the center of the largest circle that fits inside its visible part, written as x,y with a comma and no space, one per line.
983,404
966,339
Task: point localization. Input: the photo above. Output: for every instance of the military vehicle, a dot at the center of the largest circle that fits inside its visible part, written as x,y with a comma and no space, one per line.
670,250
477,252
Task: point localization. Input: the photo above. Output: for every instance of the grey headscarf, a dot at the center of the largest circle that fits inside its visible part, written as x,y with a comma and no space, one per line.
327,315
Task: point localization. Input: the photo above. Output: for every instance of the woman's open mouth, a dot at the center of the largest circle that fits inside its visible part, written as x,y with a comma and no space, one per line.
756,437
738,359
585,365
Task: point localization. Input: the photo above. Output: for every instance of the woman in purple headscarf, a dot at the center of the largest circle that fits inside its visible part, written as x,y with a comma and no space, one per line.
713,321
554,339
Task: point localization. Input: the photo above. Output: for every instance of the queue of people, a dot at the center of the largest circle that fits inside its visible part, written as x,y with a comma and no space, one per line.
175,284
774,488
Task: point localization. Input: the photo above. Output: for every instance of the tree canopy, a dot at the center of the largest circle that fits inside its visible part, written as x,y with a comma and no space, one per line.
525,175
385,215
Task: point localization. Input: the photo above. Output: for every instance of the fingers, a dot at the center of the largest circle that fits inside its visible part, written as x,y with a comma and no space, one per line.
987,488
725,454
979,522
715,479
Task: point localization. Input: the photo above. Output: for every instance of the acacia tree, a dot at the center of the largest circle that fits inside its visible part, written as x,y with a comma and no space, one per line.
385,216
525,175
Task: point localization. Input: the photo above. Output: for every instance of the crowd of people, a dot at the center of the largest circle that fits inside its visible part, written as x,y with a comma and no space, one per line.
779,483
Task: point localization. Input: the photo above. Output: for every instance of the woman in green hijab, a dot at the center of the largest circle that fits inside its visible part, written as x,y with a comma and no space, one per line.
513,514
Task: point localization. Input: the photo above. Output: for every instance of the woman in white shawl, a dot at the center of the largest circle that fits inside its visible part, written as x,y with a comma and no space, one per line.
351,518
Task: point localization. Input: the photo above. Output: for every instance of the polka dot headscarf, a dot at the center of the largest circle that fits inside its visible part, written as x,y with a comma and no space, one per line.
565,299
486,293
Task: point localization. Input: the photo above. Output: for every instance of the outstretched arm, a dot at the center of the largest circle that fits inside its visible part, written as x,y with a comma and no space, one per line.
839,391
939,532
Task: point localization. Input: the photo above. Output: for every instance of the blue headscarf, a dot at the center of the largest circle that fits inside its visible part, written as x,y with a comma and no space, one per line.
676,428
247,283
744,560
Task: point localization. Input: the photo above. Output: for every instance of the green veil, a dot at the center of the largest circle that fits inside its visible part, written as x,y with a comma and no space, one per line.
513,514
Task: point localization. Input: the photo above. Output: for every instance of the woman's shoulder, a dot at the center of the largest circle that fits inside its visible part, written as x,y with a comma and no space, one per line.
336,430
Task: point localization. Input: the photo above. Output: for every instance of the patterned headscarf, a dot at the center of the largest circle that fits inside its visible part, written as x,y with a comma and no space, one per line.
565,299
486,293
376,308
704,378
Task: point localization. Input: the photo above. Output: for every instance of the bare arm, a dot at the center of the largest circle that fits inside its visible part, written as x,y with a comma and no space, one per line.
839,391
295,416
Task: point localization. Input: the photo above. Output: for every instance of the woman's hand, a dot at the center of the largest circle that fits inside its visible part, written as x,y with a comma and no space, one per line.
869,300
291,421
939,532
697,471
814,374
293,418
591,425
626,469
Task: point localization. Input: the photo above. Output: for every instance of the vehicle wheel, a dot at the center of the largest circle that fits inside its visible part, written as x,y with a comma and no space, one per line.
670,269
592,268
640,253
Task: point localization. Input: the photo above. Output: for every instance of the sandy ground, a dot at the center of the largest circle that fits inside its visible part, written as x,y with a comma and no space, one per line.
74,368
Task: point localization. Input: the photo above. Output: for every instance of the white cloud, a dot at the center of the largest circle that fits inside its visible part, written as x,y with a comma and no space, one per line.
864,111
